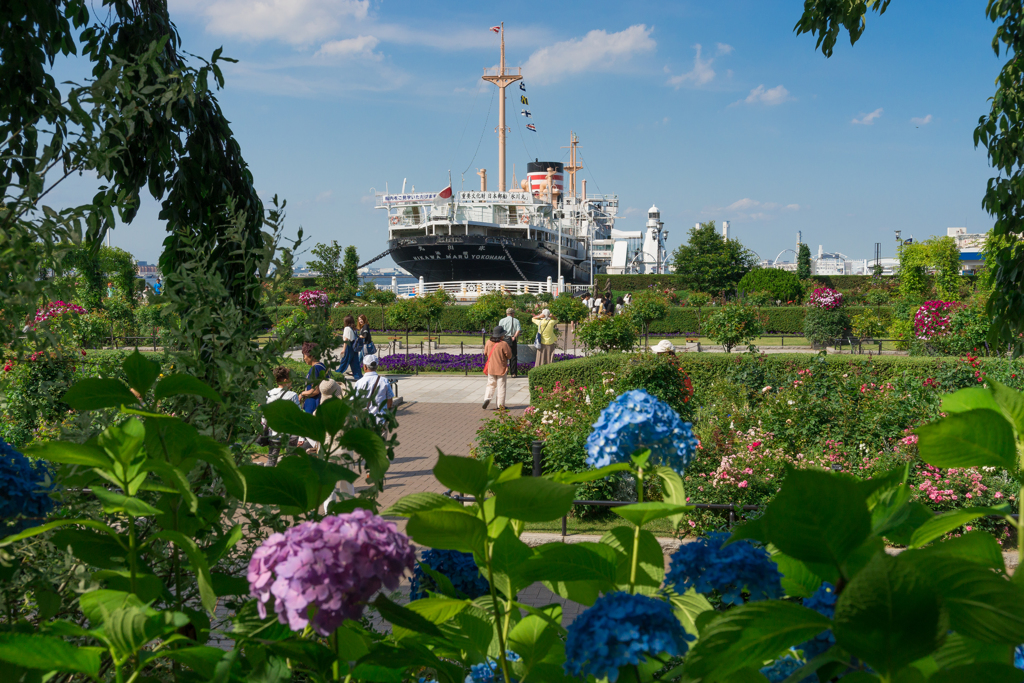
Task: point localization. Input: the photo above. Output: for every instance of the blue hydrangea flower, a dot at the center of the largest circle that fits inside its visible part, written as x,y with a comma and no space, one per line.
638,420
823,602
706,566
619,630
490,671
781,669
24,489
1018,657
459,567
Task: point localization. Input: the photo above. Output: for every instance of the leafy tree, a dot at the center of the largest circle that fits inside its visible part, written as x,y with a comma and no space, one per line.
406,314
734,325
647,306
332,277
782,285
913,261
1001,131
709,263
350,269
433,305
566,308
877,270
379,297
803,262
944,256
489,308
699,300
607,333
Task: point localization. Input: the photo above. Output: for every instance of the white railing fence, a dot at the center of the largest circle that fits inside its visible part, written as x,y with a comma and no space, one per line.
470,289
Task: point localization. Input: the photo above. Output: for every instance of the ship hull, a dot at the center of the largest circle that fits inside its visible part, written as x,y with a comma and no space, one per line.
468,258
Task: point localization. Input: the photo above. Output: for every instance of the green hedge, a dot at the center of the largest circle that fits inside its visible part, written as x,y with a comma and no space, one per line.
454,318
635,283
781,319
705,369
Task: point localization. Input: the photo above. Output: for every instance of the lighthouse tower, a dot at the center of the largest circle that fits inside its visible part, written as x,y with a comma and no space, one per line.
654,242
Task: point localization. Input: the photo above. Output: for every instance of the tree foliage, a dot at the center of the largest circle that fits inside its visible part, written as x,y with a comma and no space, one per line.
489,308
733,325
803,262
327,263
782,285
350,269
708,263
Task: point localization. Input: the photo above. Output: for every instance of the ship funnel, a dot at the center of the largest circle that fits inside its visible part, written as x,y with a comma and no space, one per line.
537,173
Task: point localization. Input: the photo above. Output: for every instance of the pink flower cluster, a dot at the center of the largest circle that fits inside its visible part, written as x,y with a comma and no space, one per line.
314,298
941,485
334,565
826,298
55,309
932,318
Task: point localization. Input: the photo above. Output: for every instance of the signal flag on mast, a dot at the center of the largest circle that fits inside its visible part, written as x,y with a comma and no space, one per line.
496,29
522,85
532,127
527,114
522,98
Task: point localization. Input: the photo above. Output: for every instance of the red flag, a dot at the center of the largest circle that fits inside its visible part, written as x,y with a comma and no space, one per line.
445,193
496,29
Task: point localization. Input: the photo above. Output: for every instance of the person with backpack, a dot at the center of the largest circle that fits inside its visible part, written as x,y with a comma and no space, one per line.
349,358
497,353
317,371
379,395
283,390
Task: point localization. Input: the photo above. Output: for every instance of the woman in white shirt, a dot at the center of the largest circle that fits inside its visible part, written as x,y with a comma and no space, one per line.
349,357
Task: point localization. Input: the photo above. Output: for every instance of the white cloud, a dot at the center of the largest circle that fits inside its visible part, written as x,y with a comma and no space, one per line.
918,121
723,49
868,119
700,74
747,209
768,97
298,22
596,51
324,196
359,46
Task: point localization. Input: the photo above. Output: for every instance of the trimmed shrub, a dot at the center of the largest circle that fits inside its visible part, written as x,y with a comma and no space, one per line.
822,325
781,285
636,283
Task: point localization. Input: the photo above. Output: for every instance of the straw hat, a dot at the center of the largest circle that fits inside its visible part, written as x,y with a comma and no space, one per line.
329,388
664,346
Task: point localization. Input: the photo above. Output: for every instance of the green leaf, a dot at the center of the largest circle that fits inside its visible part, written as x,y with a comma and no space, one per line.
140,371
531,639
197,560
130,628
404,617
208,449
982,605
798,580
368,444
980,672
447,530
533,499
43,528
438,610
223,544
48,653
818,517
99,603
70,453
201,658
971,398
977,438
674,490
976,546
591,475
421,502
228,585
118,502
749,635
177,479
94,393
285,417
187,385
148,587
901,529
642,513
350,644
332,414
889,616
465,475
572,562
508,556
688,607
650,558
1011,402
959,650
940,525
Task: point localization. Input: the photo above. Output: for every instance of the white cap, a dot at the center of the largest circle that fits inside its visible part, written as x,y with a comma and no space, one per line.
663,346
370,361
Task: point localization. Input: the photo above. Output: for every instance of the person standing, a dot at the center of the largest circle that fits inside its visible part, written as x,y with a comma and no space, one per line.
283,391
598,306
512,329
628,299
349,357
588,302
317,371
379,395
497,354
546,328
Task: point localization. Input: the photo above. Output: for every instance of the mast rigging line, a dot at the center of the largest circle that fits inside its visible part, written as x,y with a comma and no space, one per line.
378,257
469,116
479,142
513,262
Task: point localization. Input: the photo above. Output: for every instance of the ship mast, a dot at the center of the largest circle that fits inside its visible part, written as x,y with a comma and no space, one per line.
502,78
572,166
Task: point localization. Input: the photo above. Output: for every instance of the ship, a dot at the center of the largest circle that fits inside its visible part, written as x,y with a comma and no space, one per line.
546,226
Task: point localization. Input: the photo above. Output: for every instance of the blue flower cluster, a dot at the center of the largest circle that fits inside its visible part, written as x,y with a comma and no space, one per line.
782,668
459,567
823,602
490,671
24,488
706,566
619,630
638,420
1018,656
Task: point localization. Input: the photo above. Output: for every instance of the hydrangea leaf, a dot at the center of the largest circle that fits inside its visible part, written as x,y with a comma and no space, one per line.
591,475
140,371
187,385
976,438
118,502
572,562
465,475
43,528
1011,402
971,398
959,650
49,653
674,490
939,525
650,558
94,393
197,561
748,635
438,610
203,659
982,604
980,672
889,616
977,546
332,414
817,517
688,607
798,580
642,513
70,453
285,417
208,449
421,502
533,499
368,444
531,639
508,557
274,486
405,617
447,530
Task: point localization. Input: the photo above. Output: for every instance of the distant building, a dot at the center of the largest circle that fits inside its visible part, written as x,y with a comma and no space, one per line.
867,266
829,263
779,265
970,245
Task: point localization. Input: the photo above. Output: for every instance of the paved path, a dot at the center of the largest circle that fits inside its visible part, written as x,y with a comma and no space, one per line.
459,390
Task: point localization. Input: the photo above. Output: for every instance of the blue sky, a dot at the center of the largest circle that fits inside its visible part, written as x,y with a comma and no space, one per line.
331,98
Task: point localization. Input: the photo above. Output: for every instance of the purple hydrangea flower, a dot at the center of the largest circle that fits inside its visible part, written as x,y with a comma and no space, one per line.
335,565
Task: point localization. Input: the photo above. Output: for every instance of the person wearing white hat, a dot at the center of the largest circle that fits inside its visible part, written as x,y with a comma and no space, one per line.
664,346
375,388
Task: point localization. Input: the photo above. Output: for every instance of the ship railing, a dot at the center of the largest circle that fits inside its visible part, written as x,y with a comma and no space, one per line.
471,289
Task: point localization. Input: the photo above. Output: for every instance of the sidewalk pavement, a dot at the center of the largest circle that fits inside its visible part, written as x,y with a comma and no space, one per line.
459,390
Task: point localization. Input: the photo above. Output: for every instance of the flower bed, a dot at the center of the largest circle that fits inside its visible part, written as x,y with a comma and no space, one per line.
446,362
